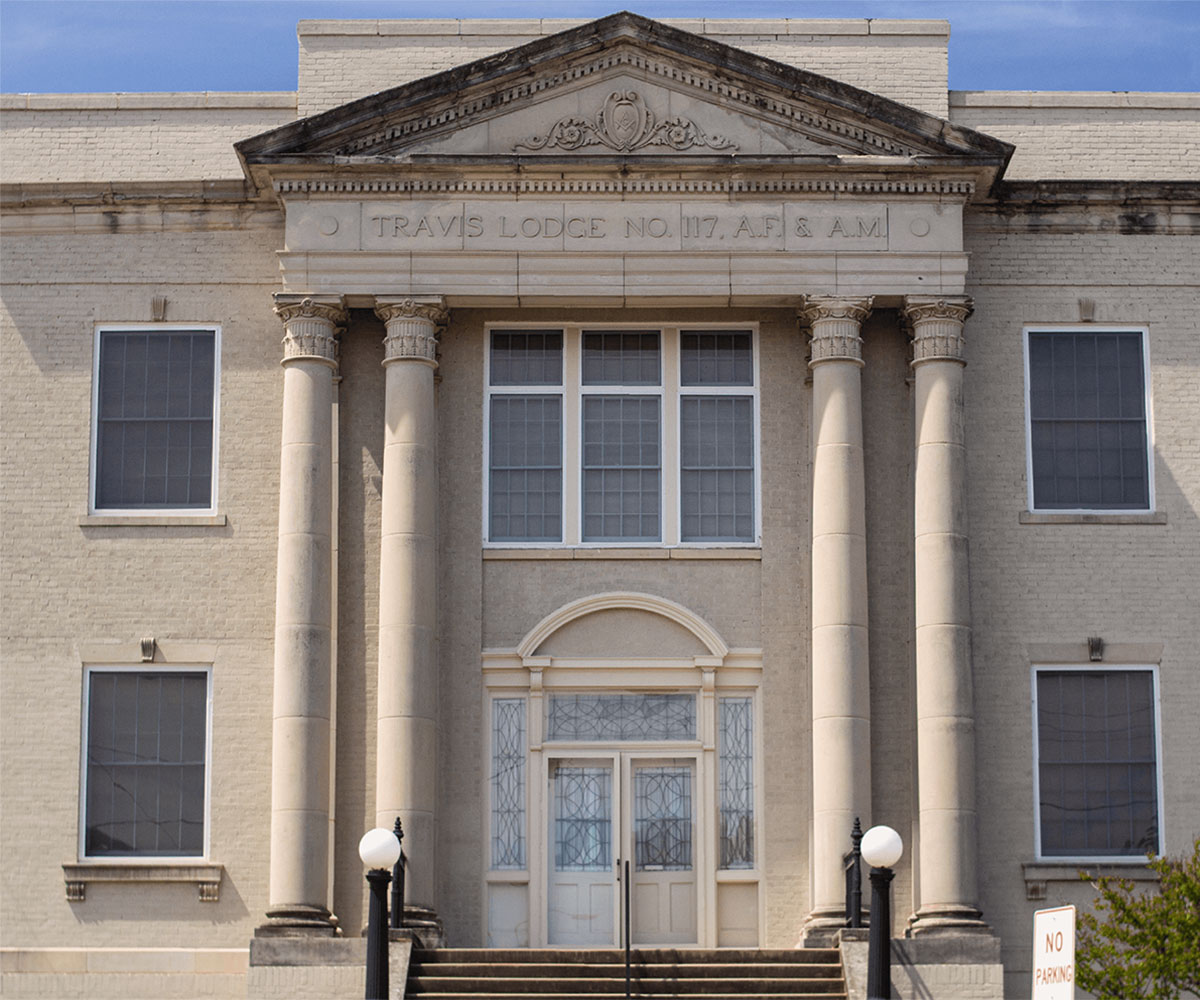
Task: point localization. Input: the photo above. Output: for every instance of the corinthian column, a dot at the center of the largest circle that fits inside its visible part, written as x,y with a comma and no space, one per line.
945,701
841,723
407,733
299,882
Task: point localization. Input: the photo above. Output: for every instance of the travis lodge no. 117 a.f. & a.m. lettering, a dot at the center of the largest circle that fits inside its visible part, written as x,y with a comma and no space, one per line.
628,226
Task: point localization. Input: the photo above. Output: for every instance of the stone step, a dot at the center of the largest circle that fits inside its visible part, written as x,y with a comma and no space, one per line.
657,970
440,985
840,995
597,956
592,974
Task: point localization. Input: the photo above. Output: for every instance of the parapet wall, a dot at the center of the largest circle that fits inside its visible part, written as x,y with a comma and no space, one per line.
1073,135
344,60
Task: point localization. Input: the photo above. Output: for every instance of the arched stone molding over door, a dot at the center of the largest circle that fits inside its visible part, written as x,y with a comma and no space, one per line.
619,713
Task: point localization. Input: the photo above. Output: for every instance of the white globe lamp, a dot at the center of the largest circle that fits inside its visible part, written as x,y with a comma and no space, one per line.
379,848
881,847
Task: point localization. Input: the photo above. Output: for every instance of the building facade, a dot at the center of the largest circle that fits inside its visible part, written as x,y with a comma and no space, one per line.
589,443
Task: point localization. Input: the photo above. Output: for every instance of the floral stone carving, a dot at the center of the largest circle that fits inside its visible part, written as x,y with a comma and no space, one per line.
624,124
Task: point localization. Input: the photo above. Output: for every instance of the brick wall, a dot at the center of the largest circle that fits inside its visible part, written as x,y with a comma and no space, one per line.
1088,136
131,137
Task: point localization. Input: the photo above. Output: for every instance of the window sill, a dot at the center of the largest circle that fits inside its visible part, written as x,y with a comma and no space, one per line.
1100,517
205,874
517,555
1039,873
152,520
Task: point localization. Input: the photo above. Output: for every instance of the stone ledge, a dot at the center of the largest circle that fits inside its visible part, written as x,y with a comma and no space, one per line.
1107,517
1038,874
206,875
197,100
152,520
1071,99
205,961
522,555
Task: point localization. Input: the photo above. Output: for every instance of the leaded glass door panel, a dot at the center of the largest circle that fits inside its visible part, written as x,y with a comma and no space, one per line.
661,846
582,898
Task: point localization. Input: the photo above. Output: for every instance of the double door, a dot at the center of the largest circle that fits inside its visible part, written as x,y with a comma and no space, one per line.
605,811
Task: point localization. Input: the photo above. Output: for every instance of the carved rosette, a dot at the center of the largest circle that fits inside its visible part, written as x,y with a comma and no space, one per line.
937,326
311,327
836,324
413,327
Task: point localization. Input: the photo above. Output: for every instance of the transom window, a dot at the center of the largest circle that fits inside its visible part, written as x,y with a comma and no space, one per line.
155,419
622,436
1097,762
1089,442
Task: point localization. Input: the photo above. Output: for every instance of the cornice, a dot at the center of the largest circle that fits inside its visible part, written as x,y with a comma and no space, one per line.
614,184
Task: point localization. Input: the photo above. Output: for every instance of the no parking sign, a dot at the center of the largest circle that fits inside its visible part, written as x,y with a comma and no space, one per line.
1054,954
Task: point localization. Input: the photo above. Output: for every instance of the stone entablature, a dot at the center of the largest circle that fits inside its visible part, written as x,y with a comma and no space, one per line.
417,226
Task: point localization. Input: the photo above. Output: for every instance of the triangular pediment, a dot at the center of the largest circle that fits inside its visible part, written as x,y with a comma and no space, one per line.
624,87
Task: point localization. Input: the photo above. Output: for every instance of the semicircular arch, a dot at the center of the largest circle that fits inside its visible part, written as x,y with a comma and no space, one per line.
623,600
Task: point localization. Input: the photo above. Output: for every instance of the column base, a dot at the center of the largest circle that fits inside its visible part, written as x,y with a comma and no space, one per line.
299,920
425,926
948,920
822,926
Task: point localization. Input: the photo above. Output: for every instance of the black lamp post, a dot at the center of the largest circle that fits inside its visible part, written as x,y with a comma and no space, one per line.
881,848
379,850
397,915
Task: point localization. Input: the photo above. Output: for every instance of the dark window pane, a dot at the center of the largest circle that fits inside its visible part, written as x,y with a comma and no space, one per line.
525,469
154,437
717,467
1097,767
621,468
526,357
145,770
1087,421
716,357
621,357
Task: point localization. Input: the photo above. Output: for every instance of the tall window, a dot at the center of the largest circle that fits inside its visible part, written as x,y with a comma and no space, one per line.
147,734
1097,763
1089,442
622,436
155,419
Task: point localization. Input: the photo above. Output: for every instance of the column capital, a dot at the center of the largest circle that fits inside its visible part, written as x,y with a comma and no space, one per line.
937,326
413,326
311,324
835,321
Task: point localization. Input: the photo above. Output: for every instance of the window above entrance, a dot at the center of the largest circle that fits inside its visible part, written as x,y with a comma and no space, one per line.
622,436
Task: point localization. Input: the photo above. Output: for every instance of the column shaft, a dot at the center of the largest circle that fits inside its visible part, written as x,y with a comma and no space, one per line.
841,726
299,873
945,699
408,680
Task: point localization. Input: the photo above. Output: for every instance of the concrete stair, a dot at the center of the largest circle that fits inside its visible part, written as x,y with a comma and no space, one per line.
679,973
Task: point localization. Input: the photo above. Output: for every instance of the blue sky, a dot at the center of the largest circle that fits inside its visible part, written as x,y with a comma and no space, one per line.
153,45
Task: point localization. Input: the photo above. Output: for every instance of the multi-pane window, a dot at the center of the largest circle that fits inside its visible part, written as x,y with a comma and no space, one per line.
1088,428
622,436
144,792
1097,763
155,419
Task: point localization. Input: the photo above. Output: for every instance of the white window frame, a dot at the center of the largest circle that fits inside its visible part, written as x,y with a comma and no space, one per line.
1148,400
669,391
1095,668
144,668
93,477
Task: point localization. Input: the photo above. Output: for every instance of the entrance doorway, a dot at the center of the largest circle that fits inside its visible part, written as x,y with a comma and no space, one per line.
605,810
